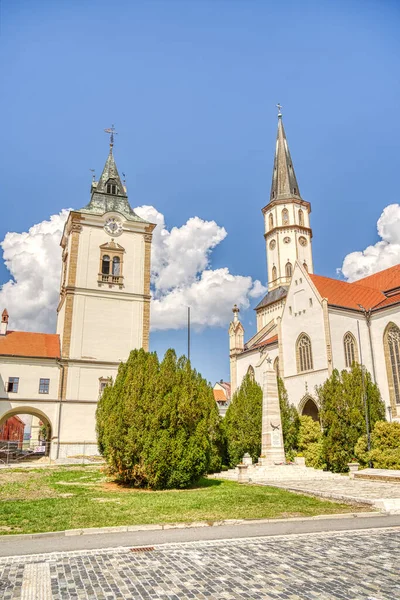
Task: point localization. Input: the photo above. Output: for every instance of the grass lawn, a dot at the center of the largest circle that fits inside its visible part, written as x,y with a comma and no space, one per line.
38,500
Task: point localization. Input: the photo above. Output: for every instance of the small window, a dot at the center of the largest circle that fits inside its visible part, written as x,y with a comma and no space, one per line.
288,269
310,302
305,266
350,349
116,264
250,373
271,221
12,385
105,265
111,188
103,383
285,216
274,273
301,218
44,385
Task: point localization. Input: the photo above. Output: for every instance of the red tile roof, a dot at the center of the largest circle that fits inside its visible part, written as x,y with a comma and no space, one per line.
384,280
219,396
267,342
348,295
388,301
26,343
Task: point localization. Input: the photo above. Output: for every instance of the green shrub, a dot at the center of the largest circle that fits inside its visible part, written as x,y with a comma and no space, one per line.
310,442
290,422
242,422
385,446
158,424
343,414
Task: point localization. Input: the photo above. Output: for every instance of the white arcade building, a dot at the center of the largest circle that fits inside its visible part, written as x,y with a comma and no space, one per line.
309,324
103,313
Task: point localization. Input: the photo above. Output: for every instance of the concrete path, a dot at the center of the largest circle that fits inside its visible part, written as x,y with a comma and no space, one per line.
362,565
21,545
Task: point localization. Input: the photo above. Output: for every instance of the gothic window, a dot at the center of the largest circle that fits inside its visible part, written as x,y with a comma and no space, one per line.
250,373
304,354
392,356
271,221
288,269
350,349
305,266
274,273
285,217
301,217
105,265
116,265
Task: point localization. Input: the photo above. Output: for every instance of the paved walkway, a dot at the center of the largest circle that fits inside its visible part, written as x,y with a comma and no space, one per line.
348,565
342,488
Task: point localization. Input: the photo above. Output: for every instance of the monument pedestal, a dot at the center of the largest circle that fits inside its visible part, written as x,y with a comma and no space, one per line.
272,449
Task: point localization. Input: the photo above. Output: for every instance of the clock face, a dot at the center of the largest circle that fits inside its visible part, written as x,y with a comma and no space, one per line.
113,227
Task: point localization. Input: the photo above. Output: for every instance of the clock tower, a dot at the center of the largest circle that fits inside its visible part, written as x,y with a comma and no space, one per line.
104,307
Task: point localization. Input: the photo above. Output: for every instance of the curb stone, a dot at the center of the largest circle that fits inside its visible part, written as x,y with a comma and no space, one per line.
194,524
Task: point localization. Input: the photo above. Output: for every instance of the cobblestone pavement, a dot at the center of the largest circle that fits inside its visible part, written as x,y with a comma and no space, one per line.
345,487
347,565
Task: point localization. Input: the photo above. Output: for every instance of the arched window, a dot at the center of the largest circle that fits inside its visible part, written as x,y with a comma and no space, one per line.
274,273
301,217
305,266
288,269
105,265
304,354
392,356
250,373
350,349
285,217
276,366
271,221
116,263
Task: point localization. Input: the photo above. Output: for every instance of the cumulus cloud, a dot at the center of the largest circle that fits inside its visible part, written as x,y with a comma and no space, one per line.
181,275
383,254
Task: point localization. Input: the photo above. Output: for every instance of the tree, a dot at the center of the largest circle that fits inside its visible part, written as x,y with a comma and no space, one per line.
310,442
342,413
158,424
290,422
242,422
385,446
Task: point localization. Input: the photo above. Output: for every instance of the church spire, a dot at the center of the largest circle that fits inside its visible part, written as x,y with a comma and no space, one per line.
284,183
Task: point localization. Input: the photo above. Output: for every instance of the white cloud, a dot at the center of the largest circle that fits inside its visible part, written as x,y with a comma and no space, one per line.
34,261
181,275
383,254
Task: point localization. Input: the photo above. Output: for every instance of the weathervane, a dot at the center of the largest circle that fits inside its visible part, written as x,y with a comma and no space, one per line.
93,174
279,107
112,132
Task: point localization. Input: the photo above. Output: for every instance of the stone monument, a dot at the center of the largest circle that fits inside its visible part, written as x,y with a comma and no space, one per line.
272,450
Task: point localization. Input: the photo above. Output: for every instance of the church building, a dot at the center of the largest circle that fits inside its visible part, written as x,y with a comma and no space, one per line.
309,324
103,313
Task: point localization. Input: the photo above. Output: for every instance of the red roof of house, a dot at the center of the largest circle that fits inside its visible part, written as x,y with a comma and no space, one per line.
388,301
219,396
388,279
26,343
348,295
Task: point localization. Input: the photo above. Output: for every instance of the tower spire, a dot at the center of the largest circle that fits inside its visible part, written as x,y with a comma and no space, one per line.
284,183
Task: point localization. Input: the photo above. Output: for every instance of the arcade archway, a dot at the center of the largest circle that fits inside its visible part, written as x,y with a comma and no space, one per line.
309,407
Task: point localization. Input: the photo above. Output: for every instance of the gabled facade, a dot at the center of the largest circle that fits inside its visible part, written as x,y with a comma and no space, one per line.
310,324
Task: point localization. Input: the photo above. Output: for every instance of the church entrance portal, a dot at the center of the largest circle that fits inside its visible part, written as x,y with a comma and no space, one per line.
310,409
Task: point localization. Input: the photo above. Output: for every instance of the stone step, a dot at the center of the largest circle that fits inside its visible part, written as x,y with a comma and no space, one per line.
388,475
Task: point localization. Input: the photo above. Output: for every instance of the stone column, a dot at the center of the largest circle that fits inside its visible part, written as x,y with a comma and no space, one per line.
272,450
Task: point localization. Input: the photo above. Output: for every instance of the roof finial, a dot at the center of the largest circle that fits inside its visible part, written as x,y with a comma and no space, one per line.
112,132
236,312
279,107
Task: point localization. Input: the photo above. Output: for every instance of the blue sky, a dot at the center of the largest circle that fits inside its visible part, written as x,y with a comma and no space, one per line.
192,87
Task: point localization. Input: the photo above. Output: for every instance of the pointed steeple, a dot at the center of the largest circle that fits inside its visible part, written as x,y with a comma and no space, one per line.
284,182
109,193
